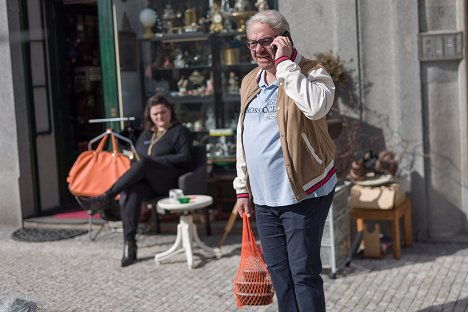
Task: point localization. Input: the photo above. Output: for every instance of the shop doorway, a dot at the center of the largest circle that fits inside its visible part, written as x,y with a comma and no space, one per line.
76,86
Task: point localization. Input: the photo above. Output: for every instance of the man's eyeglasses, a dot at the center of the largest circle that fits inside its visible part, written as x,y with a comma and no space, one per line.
264,42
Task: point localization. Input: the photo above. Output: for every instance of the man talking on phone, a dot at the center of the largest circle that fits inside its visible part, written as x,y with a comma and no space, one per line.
285,160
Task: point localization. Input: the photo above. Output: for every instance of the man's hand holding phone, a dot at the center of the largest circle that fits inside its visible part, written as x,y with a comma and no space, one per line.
282,46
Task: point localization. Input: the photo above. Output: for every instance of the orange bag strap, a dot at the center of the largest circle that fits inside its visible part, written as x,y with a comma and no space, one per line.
101,144
115,146
247,231
248,239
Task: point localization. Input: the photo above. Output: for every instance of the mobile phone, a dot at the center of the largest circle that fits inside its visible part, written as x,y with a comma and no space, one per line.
287,34
274,48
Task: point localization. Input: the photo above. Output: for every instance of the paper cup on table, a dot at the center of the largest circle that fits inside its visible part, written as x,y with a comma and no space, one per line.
175,194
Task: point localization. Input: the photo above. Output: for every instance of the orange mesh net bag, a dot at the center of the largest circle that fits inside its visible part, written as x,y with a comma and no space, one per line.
252,285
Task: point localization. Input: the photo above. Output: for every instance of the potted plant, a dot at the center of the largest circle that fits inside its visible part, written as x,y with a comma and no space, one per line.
334,65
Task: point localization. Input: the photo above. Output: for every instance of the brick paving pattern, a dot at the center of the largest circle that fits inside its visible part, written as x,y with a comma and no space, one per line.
80,275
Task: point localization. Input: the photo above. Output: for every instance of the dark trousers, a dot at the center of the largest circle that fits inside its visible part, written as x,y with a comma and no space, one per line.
144,180
290,237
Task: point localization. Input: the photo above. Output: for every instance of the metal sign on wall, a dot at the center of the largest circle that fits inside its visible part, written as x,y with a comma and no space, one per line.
441,46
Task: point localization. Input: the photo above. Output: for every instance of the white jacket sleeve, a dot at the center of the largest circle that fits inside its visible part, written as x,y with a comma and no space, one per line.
240,182
313,94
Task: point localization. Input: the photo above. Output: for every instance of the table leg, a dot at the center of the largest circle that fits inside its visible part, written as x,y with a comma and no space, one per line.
359,224
187,239
196,238
407,225
396,237
187,235
175,249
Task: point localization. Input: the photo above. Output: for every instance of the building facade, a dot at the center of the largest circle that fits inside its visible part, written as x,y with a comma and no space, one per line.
405,89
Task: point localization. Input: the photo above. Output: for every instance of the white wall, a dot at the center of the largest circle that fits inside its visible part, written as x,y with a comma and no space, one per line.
10,205
420,108
444,105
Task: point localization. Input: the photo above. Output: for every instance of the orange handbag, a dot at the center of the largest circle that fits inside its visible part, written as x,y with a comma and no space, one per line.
95,171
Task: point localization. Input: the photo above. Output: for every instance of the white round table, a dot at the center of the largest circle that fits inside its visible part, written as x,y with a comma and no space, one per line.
187,233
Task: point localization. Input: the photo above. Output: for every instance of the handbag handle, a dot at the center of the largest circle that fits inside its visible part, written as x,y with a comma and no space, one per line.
115,147
101,144
246,224
248,239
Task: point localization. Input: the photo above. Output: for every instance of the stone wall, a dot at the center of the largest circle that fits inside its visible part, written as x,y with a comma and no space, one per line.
418,109
10,205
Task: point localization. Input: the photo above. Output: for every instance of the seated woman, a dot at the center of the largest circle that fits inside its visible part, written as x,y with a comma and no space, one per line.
165,149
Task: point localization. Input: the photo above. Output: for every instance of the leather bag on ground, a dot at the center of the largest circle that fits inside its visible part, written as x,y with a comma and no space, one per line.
376,197
95,171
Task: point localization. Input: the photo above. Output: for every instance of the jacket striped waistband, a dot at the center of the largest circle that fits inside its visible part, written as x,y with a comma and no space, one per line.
317,182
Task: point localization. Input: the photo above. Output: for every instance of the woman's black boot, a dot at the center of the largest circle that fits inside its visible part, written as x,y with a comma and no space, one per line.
130,253
96,203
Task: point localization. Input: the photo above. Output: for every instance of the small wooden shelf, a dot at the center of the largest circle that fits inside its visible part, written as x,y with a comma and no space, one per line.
185,68
184,37
403,211
191,99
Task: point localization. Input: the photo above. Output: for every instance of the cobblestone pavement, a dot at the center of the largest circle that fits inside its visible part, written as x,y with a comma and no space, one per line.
80,275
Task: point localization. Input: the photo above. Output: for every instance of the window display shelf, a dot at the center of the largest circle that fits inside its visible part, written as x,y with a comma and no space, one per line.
197,68
185,68
238,66
189,99
184,37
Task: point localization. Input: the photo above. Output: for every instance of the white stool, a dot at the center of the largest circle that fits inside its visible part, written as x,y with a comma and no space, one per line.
187,233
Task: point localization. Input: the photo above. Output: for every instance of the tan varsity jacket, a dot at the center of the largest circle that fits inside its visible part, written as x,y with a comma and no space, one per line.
305,95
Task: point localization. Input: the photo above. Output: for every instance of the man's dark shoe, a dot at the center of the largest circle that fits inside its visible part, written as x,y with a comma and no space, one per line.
130,253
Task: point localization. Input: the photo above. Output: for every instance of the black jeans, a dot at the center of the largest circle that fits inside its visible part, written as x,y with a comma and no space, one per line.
144,180
290,237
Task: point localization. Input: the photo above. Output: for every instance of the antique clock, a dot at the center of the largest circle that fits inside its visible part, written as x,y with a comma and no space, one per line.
216,19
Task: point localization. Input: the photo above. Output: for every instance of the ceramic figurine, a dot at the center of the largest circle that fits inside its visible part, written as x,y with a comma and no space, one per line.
182,85
241,6
179,61
233,83
262,5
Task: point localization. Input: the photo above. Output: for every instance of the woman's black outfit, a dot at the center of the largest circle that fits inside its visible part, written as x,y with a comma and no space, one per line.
154,174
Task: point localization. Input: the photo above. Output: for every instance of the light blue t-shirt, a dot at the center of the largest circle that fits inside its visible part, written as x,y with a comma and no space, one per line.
269,181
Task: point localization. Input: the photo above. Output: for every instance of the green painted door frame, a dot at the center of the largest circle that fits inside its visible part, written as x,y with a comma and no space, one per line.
108,62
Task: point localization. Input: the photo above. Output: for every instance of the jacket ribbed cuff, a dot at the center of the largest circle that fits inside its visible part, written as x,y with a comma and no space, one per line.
280,59
242,195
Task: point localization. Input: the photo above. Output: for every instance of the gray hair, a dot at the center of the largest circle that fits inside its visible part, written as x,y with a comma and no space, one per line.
272,18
